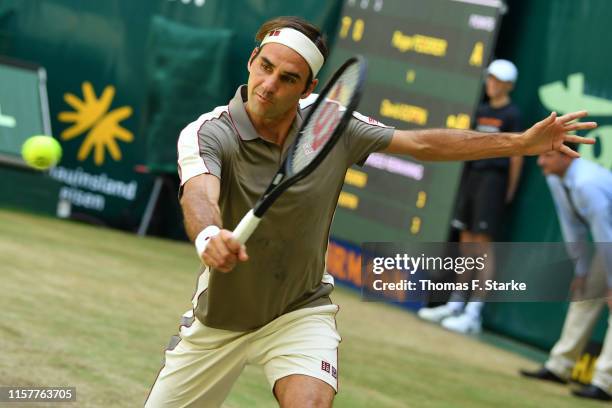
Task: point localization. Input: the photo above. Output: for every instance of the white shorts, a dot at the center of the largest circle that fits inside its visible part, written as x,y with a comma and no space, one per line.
201,369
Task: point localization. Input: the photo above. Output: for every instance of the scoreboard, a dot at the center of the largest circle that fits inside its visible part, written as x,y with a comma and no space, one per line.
426,62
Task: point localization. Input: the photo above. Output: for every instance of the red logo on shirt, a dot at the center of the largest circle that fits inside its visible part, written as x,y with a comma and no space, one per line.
328,368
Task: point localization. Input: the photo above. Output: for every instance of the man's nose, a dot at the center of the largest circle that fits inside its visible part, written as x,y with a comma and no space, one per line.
270,83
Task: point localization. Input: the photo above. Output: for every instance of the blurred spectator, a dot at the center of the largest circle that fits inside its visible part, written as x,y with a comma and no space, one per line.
582,192
487,186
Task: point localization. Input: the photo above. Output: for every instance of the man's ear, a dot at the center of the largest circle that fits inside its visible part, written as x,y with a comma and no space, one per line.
310,88
253,54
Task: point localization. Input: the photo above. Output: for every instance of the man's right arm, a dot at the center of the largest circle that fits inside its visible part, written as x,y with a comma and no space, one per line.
200,204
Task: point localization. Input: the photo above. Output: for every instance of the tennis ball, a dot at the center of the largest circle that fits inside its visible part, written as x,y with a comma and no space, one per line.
41,152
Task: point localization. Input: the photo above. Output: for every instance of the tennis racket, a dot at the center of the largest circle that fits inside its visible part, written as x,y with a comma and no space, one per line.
320,130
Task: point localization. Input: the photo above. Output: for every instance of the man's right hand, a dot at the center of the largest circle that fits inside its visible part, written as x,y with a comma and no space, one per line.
223,251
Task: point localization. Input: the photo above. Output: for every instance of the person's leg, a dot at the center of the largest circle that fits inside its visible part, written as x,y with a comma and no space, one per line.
602,377
299,353
463,221
488,213
482,246
579,322
488,210
303,391
200,367
456,302
474,244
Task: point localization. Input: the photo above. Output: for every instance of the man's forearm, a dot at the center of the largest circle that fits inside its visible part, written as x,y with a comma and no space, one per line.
199,214
454,144
200,204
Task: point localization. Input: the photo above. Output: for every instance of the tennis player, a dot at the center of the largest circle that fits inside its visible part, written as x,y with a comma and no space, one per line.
271,307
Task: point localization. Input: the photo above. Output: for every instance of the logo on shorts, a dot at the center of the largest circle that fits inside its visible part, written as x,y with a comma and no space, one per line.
328,368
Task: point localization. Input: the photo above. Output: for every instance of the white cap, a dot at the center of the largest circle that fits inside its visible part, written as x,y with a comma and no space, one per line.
503,70
300,43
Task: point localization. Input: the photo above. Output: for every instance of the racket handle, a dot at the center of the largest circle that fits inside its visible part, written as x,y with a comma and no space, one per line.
245,228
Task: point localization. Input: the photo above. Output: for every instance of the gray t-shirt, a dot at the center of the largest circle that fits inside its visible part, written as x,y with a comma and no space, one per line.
286,266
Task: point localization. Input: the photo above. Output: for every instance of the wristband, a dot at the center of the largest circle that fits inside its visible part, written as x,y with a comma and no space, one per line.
204,237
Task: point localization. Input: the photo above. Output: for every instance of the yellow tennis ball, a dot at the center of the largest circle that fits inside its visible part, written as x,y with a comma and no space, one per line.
41,152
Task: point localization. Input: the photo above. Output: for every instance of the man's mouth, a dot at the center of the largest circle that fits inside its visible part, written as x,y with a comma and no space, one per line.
263,99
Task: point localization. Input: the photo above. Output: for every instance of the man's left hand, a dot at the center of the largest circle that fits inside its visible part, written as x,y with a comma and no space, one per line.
552,132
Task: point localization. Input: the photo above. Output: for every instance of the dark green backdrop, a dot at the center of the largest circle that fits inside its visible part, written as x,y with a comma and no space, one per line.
161,57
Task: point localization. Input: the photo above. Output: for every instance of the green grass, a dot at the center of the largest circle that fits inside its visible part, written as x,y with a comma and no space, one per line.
94,308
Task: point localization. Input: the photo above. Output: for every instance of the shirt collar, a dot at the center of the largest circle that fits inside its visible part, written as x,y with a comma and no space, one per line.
569,179
242,123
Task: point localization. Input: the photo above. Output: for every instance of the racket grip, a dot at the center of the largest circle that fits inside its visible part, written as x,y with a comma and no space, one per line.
245,228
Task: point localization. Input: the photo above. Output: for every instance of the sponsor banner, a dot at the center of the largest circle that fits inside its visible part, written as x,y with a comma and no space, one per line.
344,264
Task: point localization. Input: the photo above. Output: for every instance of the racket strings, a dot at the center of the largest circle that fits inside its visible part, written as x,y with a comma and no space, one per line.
325,118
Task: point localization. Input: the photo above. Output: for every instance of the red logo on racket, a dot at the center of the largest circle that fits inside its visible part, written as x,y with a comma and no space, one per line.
327,121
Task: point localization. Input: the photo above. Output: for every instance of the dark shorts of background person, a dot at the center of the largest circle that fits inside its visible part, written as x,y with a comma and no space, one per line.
481,202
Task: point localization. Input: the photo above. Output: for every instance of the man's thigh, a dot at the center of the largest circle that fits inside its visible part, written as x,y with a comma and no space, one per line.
299,353
199,370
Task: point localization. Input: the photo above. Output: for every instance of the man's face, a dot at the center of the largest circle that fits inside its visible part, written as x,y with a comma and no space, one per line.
554,163
497,88
277,79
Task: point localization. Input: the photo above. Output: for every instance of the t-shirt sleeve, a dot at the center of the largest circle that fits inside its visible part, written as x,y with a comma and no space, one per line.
365,135
199,151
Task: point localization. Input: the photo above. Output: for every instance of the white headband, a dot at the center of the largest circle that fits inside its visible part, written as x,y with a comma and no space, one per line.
300,44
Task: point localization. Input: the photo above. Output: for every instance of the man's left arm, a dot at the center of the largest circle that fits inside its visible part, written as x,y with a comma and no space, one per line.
455,144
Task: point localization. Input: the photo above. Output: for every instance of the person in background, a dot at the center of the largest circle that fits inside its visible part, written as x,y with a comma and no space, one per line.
582,193
488,185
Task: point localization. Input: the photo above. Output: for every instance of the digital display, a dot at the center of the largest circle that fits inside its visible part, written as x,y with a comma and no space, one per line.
426,61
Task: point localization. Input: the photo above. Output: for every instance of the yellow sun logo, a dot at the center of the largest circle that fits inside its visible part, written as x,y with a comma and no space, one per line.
92,115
